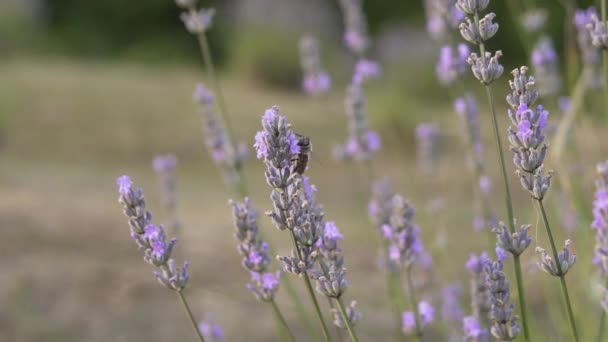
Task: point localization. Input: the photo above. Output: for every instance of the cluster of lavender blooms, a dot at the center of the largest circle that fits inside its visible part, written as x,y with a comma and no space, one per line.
380,209
599,32
150,238
211,331
427,145
486,67
505,326
405,249
452,63
583,18
442,17
165,166
534,21
527,137
600,225
295,209
362,142
316,80
196,21
545,62
256,258
217,139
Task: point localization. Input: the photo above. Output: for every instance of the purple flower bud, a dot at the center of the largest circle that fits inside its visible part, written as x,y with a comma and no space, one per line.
211,331
260,144
408,320
125,185
367,69
473,330
427,312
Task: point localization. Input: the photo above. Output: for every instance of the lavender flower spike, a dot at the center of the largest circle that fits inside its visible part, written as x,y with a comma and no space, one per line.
504,324
472,7
487,68
165,166
544,59
151,238
211,330
566,261
427,316
316,80
527,139
427,145
599,32
355,26
217,140
362,142
515,243
442,17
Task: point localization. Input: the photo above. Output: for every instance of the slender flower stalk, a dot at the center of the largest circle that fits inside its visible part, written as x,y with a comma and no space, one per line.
256,259
529,147
486,69
294,208
152,241
198,22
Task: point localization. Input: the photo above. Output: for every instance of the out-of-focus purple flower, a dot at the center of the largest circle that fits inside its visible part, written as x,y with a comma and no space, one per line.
590,54
367,69
217,140
164,163
315,80
452,63
408,320
564,103
316,83
427,312
355,26
475,262
451,310
404,237
211,330
198,22
362,142
485,184
442,17
534,20
264,286
473,330
125,185
546,69
427,145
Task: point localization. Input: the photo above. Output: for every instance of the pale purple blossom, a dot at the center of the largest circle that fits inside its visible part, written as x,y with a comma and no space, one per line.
546,69
211,330
315,80
451,310
473,330
367,69
452,63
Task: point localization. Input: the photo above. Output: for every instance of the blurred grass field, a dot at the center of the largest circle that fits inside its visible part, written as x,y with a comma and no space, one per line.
70,271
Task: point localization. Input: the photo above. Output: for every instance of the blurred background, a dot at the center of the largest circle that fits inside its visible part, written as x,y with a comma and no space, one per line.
90,90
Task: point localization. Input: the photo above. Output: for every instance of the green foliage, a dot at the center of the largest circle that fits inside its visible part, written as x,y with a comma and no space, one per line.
269,57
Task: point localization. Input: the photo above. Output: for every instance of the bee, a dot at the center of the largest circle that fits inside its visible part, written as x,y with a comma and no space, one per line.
301,159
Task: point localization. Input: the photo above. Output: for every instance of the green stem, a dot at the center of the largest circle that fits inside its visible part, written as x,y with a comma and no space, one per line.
508,201
283,327
349,326
600,333
190,316
311,292
562,276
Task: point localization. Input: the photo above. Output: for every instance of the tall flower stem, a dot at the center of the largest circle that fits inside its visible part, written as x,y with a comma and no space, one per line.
413,301
311,292
602,328
190,316
562,276
281,319
510,216
351,332
508,201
